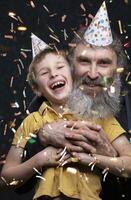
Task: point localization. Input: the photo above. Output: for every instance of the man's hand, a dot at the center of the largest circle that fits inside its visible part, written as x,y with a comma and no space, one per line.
54,134
89,136
77,136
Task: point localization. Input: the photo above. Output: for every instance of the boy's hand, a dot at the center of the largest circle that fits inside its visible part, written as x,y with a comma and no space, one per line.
52,157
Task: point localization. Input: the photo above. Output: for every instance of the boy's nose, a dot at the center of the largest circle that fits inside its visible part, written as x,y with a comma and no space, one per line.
53,73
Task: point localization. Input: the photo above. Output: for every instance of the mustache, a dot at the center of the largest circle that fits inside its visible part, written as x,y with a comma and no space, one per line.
100,81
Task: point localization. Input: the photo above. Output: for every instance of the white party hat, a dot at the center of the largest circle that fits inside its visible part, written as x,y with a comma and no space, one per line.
99,31
37,45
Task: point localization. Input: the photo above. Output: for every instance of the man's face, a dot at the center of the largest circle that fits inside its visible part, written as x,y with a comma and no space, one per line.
93,64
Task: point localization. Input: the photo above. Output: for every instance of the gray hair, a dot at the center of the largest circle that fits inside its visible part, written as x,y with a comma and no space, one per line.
116,46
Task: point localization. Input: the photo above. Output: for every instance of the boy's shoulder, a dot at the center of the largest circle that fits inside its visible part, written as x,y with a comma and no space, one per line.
34,116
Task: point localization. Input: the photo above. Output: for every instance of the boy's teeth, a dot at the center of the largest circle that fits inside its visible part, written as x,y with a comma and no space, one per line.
58,83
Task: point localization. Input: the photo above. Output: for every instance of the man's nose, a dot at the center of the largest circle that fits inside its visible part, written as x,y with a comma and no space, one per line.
93,72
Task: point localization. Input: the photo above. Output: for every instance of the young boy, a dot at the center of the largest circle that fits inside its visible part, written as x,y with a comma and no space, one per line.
50,76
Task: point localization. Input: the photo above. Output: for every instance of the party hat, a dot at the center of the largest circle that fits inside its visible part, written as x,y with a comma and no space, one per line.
37,45
99,32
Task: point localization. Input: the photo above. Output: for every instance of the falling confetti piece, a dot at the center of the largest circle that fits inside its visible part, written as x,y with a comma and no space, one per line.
119,69
32,4
15,105
55,38
8,36
41,177
32,135
46,8
50,29
71,170
63,18
82,7
120,26
37,171
49,126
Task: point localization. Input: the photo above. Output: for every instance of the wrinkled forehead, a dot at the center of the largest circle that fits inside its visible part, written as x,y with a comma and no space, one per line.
89,50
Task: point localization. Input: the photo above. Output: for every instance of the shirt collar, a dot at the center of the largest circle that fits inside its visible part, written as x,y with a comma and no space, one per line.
46,106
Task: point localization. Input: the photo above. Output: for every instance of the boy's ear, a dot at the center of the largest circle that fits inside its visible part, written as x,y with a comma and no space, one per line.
36,91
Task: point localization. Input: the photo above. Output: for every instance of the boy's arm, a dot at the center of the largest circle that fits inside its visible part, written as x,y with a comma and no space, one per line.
15,173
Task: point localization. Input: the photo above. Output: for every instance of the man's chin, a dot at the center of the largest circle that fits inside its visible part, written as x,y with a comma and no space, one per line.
92,90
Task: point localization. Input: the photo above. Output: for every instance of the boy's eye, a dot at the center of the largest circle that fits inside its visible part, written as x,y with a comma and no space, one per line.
59,67
43,73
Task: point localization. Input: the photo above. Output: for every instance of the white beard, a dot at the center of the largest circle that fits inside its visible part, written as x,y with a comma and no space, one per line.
103,104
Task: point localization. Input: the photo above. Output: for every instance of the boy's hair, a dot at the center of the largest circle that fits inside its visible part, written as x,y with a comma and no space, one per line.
31,76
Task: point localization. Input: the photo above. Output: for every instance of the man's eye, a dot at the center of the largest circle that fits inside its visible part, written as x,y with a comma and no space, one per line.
84,62
104,65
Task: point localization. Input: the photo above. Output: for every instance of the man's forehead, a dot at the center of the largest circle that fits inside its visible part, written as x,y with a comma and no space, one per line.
83,50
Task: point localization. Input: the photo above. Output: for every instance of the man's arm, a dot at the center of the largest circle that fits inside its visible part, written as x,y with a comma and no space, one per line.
120,166
76,136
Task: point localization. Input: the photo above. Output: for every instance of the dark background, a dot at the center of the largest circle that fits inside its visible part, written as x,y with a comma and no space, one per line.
45,18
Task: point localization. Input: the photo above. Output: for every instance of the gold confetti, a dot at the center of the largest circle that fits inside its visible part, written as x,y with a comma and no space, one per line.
65,34
27,112
55,38
8,36
14,183
82,7
36,170
14,131
11,81
32,4
120,26
49,126
5,129
112,89
76,34
24,95
50,29
32,135
120,70
24,104
46,8
63,18
23,54
14,105
71,170
127,77
37,176
129,82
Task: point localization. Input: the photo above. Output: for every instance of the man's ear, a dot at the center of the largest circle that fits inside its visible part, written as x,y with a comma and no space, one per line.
36,91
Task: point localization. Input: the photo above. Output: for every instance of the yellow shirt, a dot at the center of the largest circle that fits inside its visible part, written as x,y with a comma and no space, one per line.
74,180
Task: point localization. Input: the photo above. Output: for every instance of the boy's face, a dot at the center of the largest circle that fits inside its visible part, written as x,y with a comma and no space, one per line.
54,79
